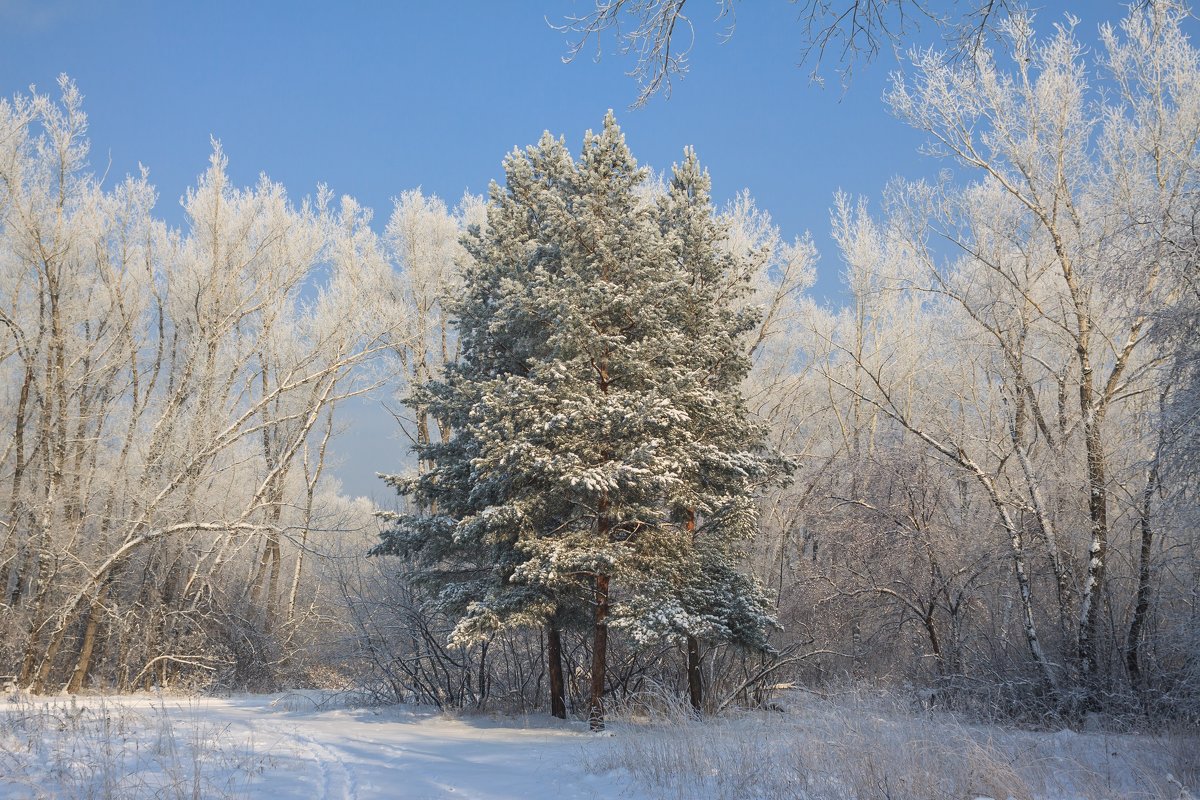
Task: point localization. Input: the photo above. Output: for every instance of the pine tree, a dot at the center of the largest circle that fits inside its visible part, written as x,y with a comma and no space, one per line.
466,518
719,603
596,413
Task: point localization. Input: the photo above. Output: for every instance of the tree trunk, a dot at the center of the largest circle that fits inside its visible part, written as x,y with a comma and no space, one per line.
599,655
558,700
1093,586
482,679
271,613
1024,587
84,661
695,686
29,661
12,589
1141,608
1062,575
935,644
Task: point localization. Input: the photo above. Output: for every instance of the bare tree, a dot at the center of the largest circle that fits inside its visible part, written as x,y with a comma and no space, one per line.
169,386
427,259
660,35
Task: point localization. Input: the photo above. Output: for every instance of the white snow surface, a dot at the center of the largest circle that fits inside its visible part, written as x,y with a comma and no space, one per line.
319,745
293,746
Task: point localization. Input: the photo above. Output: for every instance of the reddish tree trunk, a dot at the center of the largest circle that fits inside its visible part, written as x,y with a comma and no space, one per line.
599,655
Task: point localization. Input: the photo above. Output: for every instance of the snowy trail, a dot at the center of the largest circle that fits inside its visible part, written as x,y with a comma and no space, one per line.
337,782
400,753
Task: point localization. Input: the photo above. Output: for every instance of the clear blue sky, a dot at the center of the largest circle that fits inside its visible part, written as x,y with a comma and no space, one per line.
375,98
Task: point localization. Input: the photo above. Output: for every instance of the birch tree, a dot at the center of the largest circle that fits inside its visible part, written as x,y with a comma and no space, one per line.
167,385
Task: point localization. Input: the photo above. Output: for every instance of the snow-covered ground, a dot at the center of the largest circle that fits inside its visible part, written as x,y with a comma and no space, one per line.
308,745
282,746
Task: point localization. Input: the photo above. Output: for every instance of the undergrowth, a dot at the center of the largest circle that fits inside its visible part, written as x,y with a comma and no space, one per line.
855,747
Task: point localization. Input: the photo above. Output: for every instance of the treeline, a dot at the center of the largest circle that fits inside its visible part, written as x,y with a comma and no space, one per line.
1017,406
169,399
984,480
994,486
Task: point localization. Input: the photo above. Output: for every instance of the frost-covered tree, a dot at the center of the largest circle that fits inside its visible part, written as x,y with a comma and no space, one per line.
657,32
423,244
170,395
718,602
601,453
1026,360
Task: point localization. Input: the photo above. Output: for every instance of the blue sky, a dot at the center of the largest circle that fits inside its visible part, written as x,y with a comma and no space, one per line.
376,98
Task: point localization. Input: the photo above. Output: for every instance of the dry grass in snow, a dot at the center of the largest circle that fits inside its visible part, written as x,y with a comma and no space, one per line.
100,748
854,748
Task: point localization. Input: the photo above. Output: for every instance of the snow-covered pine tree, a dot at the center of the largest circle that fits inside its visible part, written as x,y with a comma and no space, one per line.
465,518
730,457
596,413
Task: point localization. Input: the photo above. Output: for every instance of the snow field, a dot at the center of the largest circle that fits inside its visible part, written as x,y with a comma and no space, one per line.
315,745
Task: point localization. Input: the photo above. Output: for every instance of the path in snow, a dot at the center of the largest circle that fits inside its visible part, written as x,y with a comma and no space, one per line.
400,753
